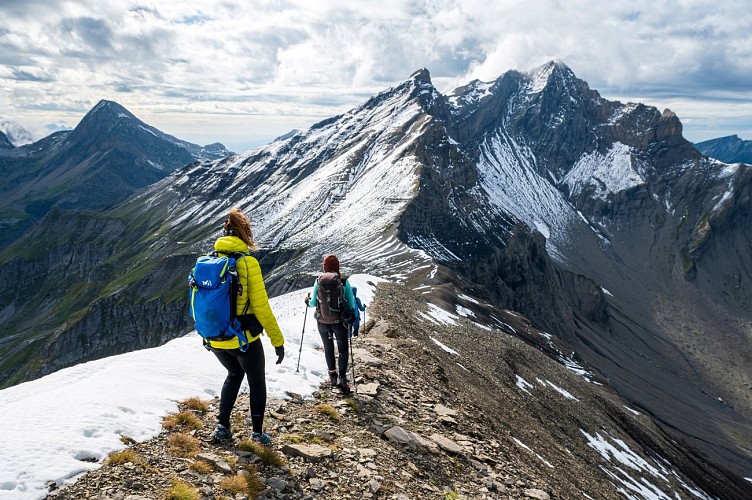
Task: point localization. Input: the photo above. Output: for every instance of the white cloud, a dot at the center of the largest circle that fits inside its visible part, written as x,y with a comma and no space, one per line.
313,59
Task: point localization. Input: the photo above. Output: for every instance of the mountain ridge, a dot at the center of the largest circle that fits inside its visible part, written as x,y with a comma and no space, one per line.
728,149
108,156
429,193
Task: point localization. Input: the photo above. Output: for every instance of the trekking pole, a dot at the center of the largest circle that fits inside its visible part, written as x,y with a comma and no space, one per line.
305,317
352,361
365,318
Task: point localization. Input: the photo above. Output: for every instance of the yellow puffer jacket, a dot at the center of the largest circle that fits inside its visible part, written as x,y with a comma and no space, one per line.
253,294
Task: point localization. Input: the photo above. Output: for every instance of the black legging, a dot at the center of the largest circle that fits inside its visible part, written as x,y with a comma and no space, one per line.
239,364
340,333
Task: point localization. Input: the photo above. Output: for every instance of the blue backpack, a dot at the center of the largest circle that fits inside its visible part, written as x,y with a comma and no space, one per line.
214,288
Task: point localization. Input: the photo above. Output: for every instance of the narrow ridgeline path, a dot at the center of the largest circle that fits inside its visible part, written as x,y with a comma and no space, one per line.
412,430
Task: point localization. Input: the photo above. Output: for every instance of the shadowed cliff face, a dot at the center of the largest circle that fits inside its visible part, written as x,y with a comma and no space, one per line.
651,273
595,219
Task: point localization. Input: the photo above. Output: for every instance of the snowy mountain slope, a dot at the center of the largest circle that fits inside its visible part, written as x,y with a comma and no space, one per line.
337,189
513,186
427,189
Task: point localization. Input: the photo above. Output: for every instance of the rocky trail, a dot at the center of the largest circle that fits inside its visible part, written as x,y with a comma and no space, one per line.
422,424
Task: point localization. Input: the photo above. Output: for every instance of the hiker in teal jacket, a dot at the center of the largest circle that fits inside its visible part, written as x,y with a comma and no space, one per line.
335,326
359,306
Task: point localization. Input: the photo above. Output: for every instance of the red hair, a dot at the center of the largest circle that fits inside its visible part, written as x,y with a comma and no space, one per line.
238,224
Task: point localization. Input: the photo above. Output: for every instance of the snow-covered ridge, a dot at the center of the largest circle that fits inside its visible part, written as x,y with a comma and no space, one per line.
539,78
342,184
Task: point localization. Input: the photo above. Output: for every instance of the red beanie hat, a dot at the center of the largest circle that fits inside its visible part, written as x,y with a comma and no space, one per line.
331,264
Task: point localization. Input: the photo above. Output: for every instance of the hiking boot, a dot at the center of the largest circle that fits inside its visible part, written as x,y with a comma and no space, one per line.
221,434
343,385
333,377
261,438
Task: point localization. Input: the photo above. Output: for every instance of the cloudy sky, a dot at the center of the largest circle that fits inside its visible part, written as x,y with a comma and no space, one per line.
242,72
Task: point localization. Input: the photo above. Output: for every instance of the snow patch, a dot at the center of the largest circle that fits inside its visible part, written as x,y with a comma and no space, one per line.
441,315
523,445
523,384
604,174
467,298
542,229
561,391
444,347
464,311
634,412
618,454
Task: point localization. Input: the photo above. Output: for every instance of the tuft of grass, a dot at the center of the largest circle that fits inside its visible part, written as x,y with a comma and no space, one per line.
122,457
232,460
267,455
252,479
202,467
195,404
450,495
353,405
235,484
328,410
182,491
183,445
183,419
294,439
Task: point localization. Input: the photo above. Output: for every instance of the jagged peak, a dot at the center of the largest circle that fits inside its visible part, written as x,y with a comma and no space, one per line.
422,76
105,107
553,70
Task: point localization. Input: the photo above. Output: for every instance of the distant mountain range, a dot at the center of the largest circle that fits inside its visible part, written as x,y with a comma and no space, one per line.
595,219
108,156
729,149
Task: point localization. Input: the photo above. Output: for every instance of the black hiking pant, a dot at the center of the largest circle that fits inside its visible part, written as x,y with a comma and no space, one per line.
328,334
239,365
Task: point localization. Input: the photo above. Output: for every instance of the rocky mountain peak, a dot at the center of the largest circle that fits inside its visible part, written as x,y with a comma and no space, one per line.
109,109
108,121
669,125
422,77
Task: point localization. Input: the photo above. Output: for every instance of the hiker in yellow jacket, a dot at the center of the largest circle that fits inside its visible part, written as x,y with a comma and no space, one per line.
255,315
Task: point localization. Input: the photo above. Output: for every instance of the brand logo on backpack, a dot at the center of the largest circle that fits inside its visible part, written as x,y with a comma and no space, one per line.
214,289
